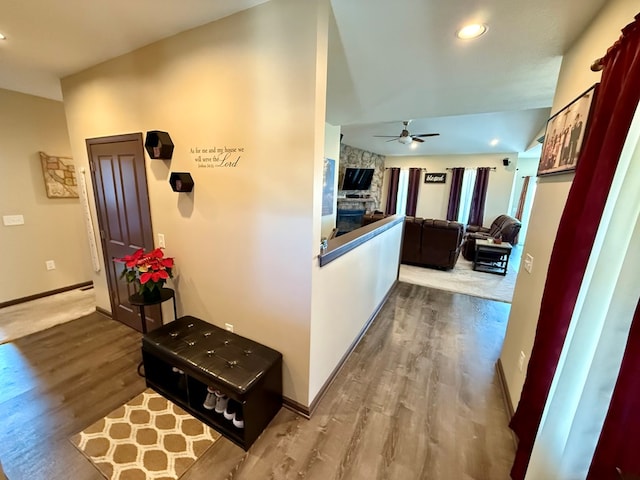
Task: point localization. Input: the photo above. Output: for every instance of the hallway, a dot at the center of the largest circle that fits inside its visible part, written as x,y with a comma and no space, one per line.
419,398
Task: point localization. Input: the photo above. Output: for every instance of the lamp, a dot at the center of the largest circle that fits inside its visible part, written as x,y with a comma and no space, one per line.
405,140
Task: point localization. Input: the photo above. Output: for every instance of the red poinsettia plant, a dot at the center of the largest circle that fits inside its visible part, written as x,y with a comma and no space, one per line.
149,270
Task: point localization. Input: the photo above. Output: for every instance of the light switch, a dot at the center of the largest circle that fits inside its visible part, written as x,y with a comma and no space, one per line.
10,220
528,263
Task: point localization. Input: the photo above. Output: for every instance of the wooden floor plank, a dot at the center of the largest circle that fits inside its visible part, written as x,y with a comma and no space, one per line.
417,399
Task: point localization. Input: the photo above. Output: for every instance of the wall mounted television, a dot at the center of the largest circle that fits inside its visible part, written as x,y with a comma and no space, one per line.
357,178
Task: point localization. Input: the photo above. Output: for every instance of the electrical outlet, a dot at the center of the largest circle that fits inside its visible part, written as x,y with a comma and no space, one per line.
51,265
528,263
521,360
161,240
229,327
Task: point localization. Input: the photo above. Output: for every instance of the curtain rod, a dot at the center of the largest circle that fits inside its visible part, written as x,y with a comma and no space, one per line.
472,168
448,168
389,168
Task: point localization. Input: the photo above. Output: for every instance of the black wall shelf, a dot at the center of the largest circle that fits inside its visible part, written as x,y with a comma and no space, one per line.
181,181
158,145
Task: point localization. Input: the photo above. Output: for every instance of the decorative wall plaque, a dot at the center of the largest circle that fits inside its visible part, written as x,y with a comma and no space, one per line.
435,177
59,176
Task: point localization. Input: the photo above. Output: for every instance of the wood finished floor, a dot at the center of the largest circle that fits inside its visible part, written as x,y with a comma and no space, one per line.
418,399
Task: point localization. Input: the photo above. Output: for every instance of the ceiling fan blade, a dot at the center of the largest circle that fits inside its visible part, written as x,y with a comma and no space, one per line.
416,139
386,136
393,139
426,135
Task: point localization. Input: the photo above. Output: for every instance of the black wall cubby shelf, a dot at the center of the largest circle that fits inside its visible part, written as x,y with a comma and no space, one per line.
158,145
181,181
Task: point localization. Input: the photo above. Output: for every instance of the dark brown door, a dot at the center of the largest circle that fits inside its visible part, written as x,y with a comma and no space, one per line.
122,202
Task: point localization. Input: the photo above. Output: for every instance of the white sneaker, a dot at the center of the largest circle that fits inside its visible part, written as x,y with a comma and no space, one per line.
210,401
221,402
230,412
238,418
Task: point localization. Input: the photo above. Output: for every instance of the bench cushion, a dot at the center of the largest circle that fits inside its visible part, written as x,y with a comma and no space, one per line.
234,361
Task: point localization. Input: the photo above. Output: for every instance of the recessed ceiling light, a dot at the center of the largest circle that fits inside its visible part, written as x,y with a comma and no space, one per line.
473,30
494,142
2,37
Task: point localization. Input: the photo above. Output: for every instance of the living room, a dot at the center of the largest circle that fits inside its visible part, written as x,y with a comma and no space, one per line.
264,280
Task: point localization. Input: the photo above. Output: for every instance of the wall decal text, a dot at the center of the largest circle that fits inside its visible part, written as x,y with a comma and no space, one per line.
213,157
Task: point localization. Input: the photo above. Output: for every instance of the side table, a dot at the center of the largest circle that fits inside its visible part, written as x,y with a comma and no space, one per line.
138,300
492,257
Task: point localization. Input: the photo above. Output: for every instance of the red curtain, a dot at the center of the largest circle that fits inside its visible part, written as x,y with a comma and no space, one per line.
412,191
614,107
476,212
617,447
523,197
392,191
454,194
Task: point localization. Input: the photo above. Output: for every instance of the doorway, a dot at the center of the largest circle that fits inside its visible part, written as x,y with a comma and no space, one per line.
122,203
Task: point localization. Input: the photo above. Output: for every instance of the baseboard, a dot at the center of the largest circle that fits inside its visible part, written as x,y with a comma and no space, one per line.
296,407
45,294
307,412
104,312
506,396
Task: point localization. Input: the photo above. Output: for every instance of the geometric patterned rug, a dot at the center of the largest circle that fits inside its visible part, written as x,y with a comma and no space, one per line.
147,438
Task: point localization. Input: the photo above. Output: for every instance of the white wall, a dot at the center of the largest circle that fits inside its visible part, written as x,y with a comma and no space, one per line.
433,198
551,194
54,227
244,239
344,301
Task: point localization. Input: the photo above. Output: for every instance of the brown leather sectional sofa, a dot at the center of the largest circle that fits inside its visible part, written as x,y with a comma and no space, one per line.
368,218
431,243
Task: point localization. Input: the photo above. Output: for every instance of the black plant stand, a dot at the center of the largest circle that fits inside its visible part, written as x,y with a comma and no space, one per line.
137,300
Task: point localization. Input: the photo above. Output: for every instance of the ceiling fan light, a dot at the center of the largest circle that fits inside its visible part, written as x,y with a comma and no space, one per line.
405,140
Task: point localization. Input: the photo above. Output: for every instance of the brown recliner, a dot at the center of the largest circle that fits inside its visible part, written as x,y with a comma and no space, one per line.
431,243
411,240
503,226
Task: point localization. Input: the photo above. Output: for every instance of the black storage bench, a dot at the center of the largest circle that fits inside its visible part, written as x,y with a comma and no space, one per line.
184,357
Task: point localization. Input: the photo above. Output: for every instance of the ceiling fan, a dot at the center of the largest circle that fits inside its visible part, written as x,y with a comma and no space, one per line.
405,137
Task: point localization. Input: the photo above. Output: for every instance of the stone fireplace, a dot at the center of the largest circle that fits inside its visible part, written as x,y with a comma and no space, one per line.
348,220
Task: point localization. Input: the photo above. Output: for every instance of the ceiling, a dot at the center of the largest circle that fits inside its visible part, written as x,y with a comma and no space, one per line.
388,61
395,61
49,40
